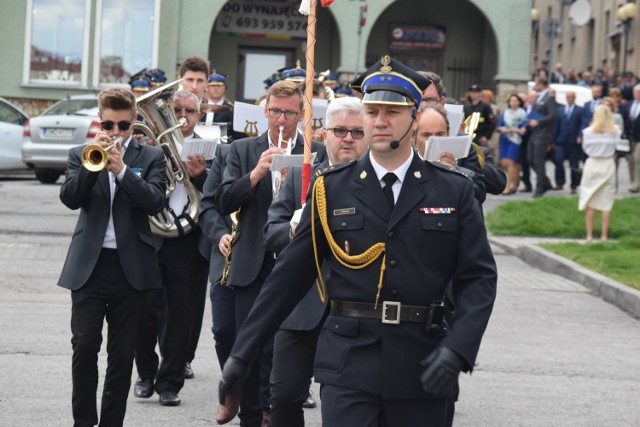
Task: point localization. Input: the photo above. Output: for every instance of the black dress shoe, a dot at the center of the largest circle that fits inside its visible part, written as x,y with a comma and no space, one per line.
188,372
143,389
310,403
537,195
169,398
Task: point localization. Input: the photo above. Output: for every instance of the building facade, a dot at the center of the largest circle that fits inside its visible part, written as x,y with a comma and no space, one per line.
61,47
585,35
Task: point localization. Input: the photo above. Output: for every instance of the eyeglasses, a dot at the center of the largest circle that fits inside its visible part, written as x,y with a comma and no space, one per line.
288,115
342,133
189,111
123,125
430,101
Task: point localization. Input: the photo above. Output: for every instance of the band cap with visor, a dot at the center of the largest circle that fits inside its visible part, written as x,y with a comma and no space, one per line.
391,82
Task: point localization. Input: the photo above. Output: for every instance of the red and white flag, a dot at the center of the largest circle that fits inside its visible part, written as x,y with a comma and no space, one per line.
305,6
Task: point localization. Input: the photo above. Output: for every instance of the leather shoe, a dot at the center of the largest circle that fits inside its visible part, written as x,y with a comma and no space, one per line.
188,372
266,419
526,190
169,398
573,191
310,403
229,410
143,389
537,195
558,187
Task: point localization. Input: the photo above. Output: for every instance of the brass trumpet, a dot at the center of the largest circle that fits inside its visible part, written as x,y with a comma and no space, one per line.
94,156
227,257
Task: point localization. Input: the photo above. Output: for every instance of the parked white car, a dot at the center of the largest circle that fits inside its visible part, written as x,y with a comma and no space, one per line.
12,122
49,137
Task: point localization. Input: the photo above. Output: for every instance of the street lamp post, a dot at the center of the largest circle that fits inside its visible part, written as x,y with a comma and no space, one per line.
625,14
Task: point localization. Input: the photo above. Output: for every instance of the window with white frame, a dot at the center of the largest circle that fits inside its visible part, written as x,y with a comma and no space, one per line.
56,42
126,39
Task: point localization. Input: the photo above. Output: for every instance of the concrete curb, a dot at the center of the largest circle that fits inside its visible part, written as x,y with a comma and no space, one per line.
622,296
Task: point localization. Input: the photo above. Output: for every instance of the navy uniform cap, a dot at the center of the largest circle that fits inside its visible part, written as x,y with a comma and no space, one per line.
140,85
157,77
391,82
217,79
296,74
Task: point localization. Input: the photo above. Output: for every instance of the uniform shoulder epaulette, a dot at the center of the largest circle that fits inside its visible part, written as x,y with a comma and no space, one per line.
445,167
335,168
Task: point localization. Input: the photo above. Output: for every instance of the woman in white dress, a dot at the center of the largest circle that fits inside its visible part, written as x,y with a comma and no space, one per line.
597,187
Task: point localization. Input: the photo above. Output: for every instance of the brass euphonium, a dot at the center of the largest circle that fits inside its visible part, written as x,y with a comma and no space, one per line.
162,127
94,156
227,258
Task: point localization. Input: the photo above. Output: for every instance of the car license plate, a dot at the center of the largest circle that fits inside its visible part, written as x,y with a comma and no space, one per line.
58,133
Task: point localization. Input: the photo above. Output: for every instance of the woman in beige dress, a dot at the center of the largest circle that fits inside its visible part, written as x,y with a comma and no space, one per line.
597,187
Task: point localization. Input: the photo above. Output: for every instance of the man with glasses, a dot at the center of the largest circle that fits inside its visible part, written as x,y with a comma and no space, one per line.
184,265
295,343
111,263
247,185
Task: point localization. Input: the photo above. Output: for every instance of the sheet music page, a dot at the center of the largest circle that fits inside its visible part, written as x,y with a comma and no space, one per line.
281,161
455,115
206,147
458,146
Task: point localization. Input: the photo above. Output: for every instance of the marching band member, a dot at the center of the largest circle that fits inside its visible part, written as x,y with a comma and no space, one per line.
111,263
247,185
295,342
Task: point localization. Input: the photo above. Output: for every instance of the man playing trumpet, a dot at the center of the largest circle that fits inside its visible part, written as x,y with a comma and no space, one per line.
111,263
247,184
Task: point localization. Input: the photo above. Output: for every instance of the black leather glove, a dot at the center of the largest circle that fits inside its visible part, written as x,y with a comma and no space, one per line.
234,373
442,368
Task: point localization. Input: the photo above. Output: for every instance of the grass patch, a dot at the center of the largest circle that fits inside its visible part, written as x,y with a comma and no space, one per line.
559,217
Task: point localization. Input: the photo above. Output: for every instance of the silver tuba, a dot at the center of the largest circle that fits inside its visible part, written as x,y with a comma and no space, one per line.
161,125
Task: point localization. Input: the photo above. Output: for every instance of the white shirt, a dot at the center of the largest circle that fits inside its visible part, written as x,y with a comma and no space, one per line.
209,117
110,235
400,172
599,144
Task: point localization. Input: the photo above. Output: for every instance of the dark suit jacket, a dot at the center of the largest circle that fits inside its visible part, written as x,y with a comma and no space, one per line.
587,113
546,128
276,236
139,194
214,225
424,253
568,129
631,127
235,192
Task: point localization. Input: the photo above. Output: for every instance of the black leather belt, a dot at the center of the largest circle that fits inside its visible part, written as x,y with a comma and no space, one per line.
393,312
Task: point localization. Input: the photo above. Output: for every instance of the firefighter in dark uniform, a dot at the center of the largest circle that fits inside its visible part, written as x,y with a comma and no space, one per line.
486,124
394,231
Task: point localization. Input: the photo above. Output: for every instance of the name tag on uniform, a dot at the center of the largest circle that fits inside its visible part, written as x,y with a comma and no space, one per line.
437,211
344,211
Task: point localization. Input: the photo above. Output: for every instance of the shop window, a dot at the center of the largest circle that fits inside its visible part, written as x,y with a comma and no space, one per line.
56,42
126,38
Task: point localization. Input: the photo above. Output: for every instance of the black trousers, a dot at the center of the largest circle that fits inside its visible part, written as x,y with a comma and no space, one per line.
537,153
254,392
223,306
293,356
198,298
348,407
151,332
107,294
181,266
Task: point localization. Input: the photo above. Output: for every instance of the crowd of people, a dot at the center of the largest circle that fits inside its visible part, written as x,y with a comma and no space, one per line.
346,287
